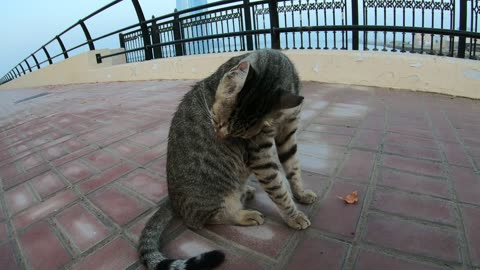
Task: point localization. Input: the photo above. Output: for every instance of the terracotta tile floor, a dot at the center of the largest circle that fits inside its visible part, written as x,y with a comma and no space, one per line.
83,167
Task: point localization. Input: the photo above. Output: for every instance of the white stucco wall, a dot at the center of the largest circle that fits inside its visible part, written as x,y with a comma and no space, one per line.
458,77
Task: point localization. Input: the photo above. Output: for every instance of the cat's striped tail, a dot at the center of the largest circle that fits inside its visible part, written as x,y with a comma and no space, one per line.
150,255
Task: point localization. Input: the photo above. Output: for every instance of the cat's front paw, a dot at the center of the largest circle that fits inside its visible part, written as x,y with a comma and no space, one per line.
306,196
299,221
250,218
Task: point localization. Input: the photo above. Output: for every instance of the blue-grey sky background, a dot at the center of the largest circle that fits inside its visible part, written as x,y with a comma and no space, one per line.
26,25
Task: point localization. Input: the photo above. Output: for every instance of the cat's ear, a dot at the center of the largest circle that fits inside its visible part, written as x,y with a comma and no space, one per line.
234,80
288,100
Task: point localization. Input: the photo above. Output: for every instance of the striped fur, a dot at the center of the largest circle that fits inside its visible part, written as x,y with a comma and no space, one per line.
226,128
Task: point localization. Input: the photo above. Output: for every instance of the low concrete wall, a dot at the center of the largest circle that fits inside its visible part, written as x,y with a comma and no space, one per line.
458,77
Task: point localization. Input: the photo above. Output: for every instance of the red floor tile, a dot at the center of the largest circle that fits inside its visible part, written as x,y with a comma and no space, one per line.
324,138
47,184
121,207
369,260
44,208
31,161
108,257
323,151
159,166
414,152
7,257
54,152
105,177
456,155
269,238
150,155
72,156
410,141
336,216
413,165
126,149
75,171
3,232
339,130
471,217
413,238
82,227
413,183
19,198
368,139
42,247
318,165
147,139
421,207
314,253
153,188
373,122
9,171
102,160
130,121
466,184
358,166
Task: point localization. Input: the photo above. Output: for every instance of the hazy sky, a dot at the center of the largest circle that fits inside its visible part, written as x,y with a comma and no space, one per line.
28,24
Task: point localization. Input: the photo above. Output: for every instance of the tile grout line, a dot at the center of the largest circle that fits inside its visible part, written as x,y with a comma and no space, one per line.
362,222
461,235
12,237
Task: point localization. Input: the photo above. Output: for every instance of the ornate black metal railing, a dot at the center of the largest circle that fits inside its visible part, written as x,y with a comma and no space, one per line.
436,27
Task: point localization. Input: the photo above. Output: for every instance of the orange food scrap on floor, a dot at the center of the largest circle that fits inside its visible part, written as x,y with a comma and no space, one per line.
350,198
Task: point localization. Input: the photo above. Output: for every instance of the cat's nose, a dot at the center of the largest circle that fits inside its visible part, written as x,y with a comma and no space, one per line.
221,134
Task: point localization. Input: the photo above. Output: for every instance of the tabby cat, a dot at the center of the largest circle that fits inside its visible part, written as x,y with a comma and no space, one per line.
224,129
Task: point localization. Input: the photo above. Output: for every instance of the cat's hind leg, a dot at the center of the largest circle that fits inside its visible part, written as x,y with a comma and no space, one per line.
233,213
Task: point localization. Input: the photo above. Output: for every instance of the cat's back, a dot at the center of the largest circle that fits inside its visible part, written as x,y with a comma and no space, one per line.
196,159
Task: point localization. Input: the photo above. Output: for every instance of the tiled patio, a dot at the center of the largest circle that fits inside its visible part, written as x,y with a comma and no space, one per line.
83,167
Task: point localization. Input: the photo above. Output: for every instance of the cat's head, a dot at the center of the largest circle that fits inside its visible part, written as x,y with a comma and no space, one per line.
245,102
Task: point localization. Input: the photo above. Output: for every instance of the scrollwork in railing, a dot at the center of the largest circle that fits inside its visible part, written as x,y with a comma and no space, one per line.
199,20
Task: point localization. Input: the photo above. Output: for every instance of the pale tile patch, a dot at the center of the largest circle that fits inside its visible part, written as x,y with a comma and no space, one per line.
257,232
347,110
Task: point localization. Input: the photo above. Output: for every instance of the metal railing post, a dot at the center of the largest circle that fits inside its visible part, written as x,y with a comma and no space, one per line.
48,55
274,24
18,72
121,40
143,26
28,65
355,40
462,27
23,70
65,54
157,51
177,35
248,23
87,35
36,61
